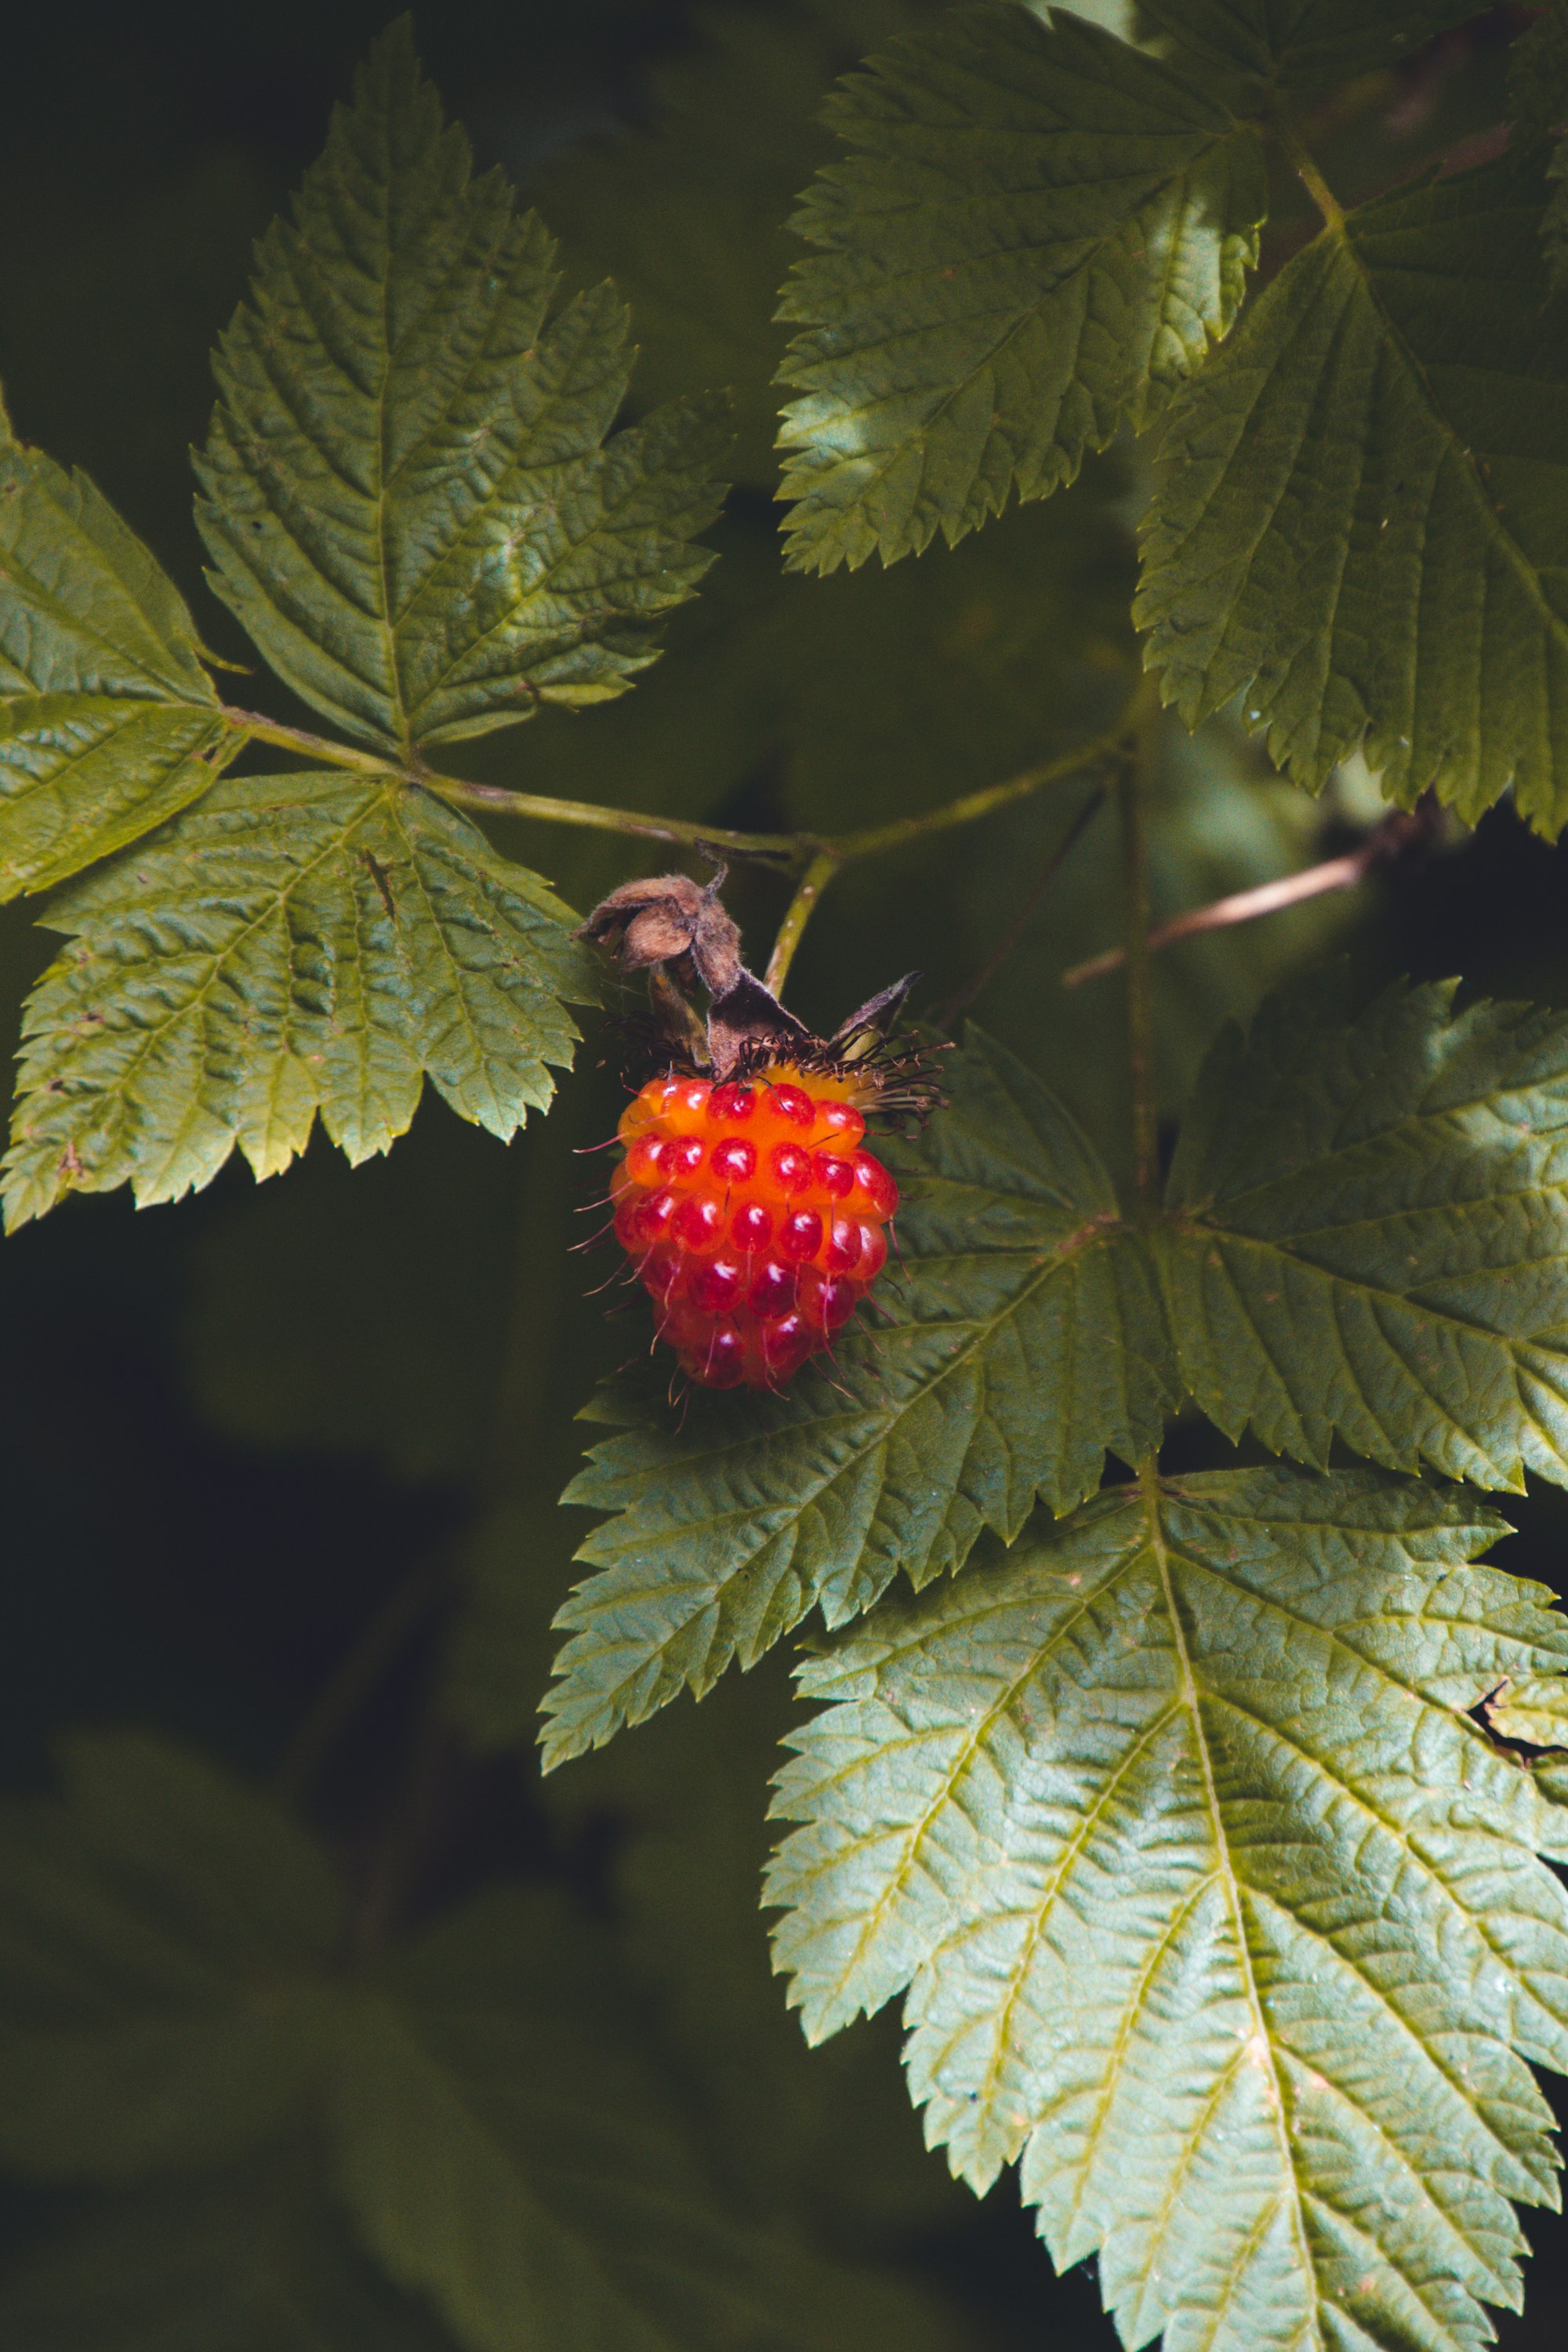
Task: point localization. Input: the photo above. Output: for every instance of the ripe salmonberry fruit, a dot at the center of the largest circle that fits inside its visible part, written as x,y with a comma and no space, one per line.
754,1215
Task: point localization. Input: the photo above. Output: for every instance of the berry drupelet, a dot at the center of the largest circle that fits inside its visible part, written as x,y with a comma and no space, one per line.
754,1215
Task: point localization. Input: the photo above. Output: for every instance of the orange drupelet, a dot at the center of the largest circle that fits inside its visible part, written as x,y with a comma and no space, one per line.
753,1216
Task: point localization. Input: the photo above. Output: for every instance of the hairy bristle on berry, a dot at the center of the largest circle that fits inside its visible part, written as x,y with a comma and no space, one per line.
754,1215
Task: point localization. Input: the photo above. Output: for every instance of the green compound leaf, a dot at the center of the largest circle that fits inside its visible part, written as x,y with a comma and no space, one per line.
1537,109
1298,43
1368,1234
1361,526
253,2260
1025,1340
509,2146
409,494
303,942
1042,231
108,721
1214,1907
159,1929
488,2101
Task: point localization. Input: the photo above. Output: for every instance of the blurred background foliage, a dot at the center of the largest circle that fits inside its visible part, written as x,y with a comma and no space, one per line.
288,1457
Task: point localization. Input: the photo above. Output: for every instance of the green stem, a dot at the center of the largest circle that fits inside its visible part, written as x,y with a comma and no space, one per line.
1131,783
252,728
801,849
808,890
1306,172
871,840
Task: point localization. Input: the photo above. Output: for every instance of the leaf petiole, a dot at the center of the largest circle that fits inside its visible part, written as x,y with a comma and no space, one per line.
802,849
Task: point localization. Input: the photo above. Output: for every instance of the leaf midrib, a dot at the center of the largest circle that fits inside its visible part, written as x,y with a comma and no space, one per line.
1187,1678
133,713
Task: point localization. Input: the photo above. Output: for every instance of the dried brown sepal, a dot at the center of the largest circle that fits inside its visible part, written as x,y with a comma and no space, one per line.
680,934
668,918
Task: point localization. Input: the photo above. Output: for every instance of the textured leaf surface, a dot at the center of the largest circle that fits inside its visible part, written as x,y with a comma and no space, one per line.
158,1926
1533,1711
298,942
1040,232
1369,1233
408,490
1213,1906
1025,1340
1301,42
1361,527
106,713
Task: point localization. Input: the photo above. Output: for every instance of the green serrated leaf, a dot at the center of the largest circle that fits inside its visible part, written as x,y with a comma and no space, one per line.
1361,523
1537,77
1298,45
828,2138
81,775
314,941
1040,233
160,1934
408,490
508,2145
489,2099
85,607
1368,1234
254,2261
108,721
1024,1341
1532,1709
1214,1907
687,212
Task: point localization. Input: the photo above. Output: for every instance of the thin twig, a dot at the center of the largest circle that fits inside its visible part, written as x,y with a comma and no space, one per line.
798,849
1131,784
1396,832
1306,170
944,1015
808,890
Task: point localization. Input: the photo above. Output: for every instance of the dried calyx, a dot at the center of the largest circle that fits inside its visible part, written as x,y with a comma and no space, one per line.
681,934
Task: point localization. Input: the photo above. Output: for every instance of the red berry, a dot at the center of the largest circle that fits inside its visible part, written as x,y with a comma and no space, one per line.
791,1167
731,1102
751,1227
655,1215
800,1236
698,1221
875,1190
716,1286
845,1246
793,1103
748,1287
650,1160
772,1288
